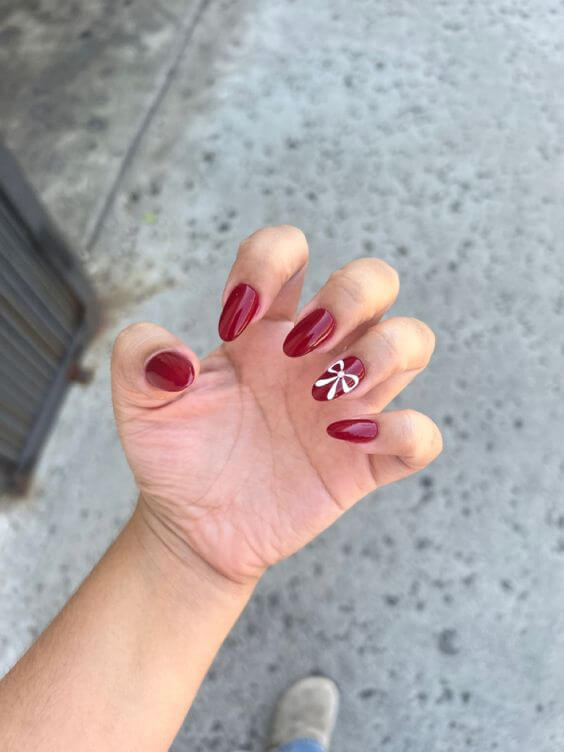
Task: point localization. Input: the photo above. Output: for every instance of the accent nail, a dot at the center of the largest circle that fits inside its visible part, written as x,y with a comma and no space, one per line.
340,378
356,431
238,311
309,333
170,371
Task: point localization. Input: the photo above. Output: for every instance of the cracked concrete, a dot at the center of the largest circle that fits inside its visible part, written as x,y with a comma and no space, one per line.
428,135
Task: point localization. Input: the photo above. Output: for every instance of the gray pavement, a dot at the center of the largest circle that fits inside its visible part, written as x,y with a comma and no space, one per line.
430,134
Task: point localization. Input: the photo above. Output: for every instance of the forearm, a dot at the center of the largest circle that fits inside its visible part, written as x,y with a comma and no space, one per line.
121,664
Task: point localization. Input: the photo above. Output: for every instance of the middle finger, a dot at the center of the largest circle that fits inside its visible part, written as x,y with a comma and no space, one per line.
361,291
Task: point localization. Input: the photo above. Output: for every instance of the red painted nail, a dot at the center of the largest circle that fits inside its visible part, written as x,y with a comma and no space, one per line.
353,430
309,333
239,309
170,371
340,378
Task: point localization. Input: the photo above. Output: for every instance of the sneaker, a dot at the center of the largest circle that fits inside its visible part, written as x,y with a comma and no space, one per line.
307,710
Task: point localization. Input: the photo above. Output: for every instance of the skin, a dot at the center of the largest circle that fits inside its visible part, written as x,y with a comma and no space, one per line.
235,473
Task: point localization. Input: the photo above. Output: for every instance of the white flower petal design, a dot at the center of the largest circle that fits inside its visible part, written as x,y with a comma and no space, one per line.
347,380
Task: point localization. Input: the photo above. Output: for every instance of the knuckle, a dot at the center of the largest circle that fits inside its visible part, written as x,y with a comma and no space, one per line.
425,332
410,433
263,238
133,341
388,351
128,335
256,239
437,444
423,442
350,285
362,282
293,248
427,338
384,269
292,233
249,244
410,342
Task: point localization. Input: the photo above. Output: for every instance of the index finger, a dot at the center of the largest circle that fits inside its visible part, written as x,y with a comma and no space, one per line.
265,280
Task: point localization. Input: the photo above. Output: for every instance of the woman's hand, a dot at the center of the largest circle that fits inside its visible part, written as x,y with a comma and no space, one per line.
233,454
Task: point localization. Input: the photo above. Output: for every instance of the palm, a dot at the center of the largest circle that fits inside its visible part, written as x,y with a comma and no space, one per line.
240,465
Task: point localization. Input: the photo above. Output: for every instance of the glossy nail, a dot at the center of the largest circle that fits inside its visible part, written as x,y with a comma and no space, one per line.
355,430
170,371
340,378
309,333
238,311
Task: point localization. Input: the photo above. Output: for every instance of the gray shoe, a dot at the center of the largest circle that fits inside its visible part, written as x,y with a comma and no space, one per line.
307,710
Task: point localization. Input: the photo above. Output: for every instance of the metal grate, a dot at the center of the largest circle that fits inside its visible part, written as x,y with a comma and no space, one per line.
47,312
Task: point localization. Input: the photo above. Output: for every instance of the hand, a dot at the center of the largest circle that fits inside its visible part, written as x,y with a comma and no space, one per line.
232,454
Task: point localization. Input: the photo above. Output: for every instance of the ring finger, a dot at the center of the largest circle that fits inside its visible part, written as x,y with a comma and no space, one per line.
394,347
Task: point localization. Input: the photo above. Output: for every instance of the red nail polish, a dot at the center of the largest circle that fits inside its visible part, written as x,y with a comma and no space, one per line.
239,309
309,333
340,378
170,371
353,430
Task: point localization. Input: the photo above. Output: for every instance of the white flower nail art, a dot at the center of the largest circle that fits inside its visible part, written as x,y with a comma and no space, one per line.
348,381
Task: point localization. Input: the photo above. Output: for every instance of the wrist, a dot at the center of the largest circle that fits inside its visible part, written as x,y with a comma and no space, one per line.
174,567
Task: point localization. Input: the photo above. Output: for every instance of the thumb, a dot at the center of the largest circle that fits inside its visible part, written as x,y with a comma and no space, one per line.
150,367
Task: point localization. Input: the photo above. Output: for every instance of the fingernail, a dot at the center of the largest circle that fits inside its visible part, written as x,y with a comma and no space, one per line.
340,378
356,431
170,371
239,309
309,333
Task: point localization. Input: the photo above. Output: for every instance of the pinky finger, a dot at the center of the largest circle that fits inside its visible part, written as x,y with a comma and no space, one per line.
400,442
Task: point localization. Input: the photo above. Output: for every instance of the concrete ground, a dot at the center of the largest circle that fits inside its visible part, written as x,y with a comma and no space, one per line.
162,133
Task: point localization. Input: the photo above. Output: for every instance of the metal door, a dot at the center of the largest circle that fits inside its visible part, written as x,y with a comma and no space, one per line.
47,314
